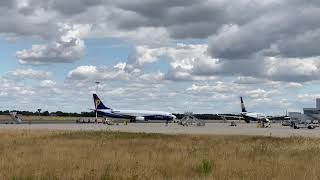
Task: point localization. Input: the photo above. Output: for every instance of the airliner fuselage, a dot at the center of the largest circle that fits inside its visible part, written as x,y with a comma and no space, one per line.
137,115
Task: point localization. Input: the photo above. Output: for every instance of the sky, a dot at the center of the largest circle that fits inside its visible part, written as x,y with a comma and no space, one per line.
170,55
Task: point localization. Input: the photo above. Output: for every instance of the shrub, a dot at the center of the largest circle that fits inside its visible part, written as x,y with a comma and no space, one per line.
205,167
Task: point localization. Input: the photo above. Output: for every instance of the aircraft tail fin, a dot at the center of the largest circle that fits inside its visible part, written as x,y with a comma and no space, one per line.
243,108
98,103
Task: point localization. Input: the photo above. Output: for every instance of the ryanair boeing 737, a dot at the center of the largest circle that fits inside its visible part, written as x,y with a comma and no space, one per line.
252,116
132,115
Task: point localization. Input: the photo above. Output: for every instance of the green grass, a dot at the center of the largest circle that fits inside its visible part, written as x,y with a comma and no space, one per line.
205,167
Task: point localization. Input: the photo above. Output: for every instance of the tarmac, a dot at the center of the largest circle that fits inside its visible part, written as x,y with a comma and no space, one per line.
276,130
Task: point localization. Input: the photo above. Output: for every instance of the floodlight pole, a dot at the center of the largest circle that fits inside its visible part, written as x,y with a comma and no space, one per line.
97,86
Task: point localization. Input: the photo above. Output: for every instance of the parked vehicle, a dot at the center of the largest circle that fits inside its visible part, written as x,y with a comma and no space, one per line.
304,124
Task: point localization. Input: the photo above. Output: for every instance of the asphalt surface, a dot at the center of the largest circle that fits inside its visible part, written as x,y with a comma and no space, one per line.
210,128
41,122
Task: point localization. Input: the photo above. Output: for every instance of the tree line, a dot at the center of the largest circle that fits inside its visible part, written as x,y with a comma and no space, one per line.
47,113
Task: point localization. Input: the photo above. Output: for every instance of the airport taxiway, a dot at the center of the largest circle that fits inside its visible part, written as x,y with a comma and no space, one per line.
210,128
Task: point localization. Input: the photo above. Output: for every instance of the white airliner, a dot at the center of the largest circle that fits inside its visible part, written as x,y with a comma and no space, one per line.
252,116
132,115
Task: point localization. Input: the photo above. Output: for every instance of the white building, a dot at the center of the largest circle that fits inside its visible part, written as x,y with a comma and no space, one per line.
297,116
313,113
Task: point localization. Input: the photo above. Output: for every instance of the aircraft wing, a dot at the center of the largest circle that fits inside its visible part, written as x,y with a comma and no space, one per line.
278,117
230,116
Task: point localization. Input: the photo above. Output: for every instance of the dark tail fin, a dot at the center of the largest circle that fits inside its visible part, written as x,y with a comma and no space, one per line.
98,103
243,108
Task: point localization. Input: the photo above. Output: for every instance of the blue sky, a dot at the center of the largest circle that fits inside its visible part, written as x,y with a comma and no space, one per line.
174,56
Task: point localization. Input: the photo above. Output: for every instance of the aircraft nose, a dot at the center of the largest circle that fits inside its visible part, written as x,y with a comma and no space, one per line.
174,117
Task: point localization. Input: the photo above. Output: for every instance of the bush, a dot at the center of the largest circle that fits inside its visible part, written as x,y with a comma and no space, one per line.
205,167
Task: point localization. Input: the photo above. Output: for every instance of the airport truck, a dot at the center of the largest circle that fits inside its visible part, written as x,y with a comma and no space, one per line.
305,124
299,120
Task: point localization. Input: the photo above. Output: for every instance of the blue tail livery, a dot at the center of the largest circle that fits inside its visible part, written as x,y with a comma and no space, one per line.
98,103
243,108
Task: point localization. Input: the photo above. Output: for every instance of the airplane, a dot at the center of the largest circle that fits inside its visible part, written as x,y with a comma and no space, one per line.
252,116
132,115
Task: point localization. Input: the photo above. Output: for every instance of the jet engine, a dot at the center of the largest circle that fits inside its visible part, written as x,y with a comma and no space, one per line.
140,118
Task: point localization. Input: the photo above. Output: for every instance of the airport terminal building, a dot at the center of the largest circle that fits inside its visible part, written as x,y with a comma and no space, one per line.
313,113
309,114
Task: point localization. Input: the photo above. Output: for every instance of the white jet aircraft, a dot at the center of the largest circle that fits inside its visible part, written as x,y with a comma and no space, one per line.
132,115
252,116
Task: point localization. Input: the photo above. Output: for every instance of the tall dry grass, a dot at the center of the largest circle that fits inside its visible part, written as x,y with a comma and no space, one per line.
115,155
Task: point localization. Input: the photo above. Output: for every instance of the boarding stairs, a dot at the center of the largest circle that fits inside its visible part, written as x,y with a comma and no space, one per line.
190,120
15,117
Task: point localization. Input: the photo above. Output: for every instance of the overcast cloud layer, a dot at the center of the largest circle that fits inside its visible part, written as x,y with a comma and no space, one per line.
185,53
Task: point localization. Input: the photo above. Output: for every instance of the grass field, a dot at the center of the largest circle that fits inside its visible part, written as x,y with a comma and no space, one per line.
115,155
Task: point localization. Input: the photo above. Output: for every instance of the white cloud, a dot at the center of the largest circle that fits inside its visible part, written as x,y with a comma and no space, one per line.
191,62
120,66
293,70
47,83
29,74
68,48
117,73
249,80
217,87
186,61
308,96
257,93
294,85
14,88
152,77
91,73
82,72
